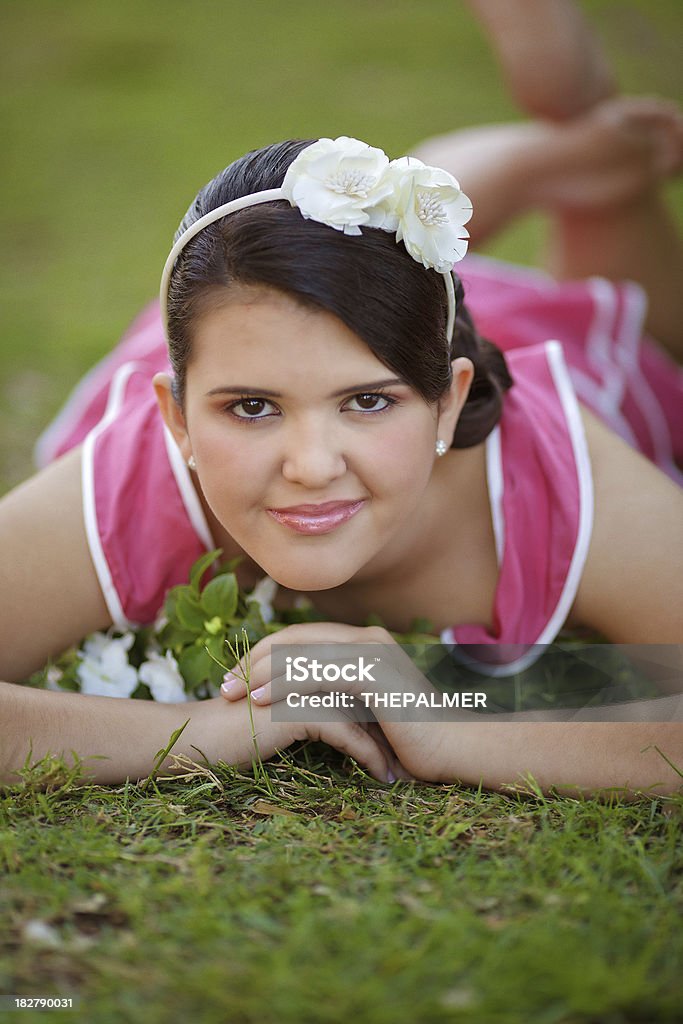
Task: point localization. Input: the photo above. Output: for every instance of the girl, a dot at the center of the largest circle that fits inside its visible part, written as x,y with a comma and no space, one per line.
334,416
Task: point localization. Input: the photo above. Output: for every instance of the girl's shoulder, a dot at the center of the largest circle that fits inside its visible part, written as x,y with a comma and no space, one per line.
632,584
50,596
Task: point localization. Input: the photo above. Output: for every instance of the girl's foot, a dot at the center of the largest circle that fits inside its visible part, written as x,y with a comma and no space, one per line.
608,217
621,150
552,62
605,159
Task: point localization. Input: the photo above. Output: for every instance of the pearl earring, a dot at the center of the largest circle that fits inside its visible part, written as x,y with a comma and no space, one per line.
191,464
440,447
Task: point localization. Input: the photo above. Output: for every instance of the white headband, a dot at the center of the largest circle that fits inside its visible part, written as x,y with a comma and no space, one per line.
347,184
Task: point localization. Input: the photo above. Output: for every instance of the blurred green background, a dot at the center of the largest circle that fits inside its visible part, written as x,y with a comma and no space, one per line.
113,115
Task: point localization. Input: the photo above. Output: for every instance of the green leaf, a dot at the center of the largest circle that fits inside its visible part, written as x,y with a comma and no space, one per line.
220,656
219,597
190,614
253,623
200,567
174,635
171,603
231,565
195,665
162,754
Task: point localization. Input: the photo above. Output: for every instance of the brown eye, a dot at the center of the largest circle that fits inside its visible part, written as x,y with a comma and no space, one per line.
251,409
371,401
253,406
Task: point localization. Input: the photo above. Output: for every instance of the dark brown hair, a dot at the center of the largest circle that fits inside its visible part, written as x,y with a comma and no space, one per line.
369,281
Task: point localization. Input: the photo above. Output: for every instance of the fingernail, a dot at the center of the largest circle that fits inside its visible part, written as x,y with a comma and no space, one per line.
230,683
258,694
391,777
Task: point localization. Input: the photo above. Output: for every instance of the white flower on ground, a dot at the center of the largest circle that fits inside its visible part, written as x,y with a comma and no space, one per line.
337,181
105,670
264,594
160,672
431,211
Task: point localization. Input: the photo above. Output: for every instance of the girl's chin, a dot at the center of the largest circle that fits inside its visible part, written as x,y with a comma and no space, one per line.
308,578
308,584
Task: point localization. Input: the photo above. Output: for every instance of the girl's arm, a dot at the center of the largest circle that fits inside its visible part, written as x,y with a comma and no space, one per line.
631,590
118,739
571,757
50,597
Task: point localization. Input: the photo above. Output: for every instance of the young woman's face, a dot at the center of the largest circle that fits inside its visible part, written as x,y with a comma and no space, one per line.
312,455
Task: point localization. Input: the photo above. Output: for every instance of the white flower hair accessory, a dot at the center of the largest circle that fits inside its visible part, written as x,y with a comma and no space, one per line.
347,185
338,182
431,212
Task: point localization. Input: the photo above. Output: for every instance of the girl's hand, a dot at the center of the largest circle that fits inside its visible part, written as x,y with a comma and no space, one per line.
255,733
415,742
363,741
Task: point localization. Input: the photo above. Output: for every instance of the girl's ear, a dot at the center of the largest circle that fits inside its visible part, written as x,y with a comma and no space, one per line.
450,405
172,413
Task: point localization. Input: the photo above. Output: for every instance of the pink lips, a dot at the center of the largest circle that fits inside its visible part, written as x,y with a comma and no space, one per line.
313,519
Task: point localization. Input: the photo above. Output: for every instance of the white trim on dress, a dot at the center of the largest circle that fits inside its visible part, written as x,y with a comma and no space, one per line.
570,407
114,401
496,485
635,302
193,506
560,374
600,344
79,398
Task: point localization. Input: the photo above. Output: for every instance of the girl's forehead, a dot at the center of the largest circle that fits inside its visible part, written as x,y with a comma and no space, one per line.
270,330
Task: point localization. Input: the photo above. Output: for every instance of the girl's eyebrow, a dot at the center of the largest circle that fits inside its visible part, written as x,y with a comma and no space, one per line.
240,389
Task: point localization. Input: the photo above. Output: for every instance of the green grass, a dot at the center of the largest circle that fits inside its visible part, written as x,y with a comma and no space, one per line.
309,893
316,894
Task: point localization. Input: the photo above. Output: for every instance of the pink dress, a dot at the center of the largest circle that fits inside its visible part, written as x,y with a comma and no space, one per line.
146,526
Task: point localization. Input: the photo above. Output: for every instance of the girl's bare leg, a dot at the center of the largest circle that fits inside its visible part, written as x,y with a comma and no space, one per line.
552,62
595,164
634,237
598,178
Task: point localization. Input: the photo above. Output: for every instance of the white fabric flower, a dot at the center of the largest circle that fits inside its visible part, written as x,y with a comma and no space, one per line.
105,670
162,675
431,212
264,594
337,181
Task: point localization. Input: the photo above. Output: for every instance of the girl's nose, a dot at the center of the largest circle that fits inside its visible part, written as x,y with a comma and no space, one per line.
313,457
